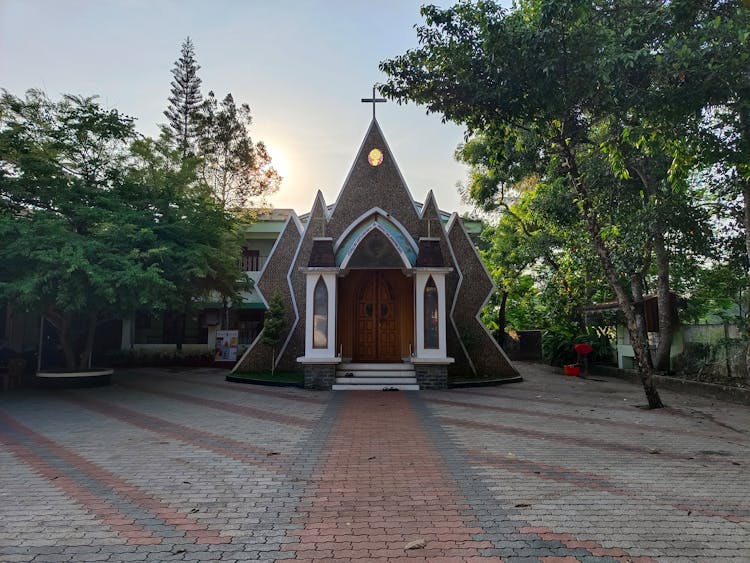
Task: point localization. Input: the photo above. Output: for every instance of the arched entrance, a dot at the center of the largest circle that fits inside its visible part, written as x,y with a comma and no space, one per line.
376,315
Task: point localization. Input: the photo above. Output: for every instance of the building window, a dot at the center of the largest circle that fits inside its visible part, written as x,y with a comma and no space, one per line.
320,315
250,261
431,316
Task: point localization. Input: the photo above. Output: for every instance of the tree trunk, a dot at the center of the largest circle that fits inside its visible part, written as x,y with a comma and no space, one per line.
743,112
63,332
640,347
746,205
501,318
88,348
180,330
637,291
667,326
224,314
667,321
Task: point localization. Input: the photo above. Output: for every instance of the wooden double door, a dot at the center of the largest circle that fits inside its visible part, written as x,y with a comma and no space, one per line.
377,321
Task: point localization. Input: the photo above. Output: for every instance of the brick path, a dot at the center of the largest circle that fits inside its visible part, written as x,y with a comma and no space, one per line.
168,465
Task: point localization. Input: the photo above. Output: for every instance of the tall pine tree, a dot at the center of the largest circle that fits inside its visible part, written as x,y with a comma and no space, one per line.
185,99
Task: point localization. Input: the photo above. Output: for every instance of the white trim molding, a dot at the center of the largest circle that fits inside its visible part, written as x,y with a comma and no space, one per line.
311,279
430,355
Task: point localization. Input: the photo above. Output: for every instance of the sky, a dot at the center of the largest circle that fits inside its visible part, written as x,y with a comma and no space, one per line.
302,66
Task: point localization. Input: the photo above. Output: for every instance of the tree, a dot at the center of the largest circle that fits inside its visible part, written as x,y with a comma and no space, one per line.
713,57
238,170
184,100
274,326
575,76
200,239
537,230
99,224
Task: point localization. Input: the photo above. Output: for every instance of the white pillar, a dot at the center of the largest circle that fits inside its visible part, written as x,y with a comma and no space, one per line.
420,282
329,279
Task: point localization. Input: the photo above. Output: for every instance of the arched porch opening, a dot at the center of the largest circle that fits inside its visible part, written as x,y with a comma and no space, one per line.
376,316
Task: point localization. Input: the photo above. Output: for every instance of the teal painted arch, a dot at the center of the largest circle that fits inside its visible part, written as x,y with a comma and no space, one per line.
399,238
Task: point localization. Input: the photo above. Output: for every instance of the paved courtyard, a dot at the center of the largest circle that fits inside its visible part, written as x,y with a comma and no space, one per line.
178,465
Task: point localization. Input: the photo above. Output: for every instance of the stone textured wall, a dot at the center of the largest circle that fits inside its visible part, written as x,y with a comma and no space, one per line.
315,228
382,186
432,376
461,368
320,376
489,359
374,186
271,281
258,359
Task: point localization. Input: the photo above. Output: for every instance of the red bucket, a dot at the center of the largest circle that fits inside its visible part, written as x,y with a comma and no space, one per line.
571,369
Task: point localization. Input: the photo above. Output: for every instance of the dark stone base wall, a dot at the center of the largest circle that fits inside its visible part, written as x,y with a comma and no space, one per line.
320,376
432,376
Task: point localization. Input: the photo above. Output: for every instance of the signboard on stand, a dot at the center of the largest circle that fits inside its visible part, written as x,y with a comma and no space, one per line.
227,342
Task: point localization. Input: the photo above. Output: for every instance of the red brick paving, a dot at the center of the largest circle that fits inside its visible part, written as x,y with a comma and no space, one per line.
171,516
598,421
370,497
572,542
225,406
217,443
560,438
591,481
124,527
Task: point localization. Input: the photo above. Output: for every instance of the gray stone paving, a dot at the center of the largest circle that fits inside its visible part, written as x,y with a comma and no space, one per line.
166,465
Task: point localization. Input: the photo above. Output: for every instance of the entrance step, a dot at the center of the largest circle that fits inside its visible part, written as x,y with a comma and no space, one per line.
366,387
375,377
374,373
377,380
375,367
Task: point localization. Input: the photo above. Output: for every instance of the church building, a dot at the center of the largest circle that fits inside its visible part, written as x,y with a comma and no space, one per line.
379,290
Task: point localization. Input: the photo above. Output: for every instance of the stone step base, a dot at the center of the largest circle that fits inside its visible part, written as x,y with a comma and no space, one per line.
371,376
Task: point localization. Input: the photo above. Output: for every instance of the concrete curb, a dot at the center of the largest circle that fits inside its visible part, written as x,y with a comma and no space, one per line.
711,390
484,382
235,379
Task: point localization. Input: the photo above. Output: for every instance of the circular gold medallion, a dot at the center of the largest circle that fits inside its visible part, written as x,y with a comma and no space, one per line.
375,157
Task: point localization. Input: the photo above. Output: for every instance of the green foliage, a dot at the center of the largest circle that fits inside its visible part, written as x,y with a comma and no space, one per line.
557,346
141,357
216,133
184,100
99,223
598,103
274,325
238,170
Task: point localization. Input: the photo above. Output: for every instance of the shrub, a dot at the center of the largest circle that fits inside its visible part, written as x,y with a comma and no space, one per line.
138,357
557,347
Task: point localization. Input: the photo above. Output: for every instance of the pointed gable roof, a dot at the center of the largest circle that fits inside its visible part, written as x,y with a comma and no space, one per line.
367,187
